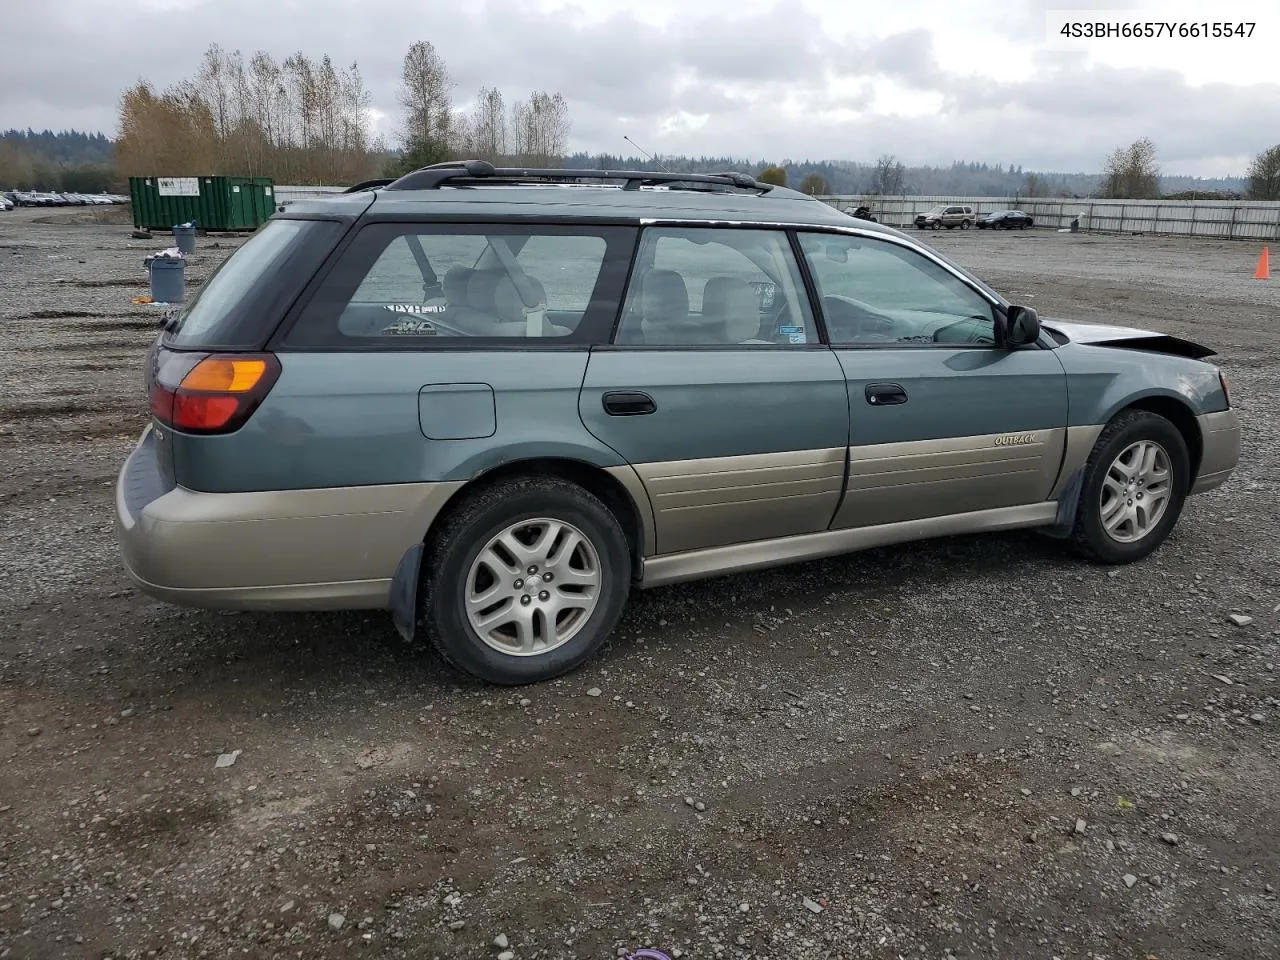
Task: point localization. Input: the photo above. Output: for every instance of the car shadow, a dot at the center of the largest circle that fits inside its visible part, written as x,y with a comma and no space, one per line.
328,653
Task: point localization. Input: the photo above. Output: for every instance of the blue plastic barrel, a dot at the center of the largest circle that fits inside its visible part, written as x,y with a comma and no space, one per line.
184,235
167,276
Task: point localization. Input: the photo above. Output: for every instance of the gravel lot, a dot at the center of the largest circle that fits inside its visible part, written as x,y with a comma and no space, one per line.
974,747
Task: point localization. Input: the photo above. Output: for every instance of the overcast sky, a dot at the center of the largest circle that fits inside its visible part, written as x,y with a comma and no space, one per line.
820,79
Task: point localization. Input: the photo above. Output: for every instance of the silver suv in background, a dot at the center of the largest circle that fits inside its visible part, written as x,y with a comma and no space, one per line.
956,215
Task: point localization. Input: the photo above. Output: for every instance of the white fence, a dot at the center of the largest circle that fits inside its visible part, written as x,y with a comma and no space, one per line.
1227,219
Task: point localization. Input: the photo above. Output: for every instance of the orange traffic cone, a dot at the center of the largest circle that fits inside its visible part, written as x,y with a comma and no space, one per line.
1264,266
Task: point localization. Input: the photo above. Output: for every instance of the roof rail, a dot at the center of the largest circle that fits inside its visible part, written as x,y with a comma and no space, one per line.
470,173
369,185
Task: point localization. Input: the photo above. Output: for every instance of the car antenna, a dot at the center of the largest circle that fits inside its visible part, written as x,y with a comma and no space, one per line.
648,155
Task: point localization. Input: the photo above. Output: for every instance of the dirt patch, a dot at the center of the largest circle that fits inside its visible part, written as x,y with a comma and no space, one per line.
97,284
80,347
119,323
46,408
119,213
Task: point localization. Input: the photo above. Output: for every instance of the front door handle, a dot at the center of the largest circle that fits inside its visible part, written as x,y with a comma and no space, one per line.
885,394
628,404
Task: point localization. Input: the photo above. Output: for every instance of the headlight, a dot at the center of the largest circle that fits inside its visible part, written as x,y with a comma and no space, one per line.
1226,392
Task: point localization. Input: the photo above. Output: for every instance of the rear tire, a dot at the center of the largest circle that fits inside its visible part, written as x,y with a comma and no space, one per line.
964,224
1135,482
525,580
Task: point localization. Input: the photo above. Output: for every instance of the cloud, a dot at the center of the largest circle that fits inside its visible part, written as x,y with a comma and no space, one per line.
760,79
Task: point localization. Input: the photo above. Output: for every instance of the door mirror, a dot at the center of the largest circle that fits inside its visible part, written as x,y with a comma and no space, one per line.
1022,326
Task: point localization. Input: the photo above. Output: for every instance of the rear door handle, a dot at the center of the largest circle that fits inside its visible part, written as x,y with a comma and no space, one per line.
885,394
628,404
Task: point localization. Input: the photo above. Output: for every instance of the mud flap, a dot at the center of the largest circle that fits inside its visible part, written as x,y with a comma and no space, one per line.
1068,504
404,592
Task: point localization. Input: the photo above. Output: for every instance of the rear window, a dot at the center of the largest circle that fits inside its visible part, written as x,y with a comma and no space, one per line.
241,303
400,285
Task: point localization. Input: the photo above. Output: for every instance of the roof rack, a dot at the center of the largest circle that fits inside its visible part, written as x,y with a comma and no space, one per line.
369,185
471,173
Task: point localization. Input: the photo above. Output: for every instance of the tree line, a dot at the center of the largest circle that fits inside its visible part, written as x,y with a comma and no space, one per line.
301,120
307,120
68,160
1129,173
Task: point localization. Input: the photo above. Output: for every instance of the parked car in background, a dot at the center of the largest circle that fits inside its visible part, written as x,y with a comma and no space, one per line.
6,203
497,410
950,217
1005,220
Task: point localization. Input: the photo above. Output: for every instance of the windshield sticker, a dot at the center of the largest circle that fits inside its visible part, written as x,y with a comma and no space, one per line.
794,334
410,328
415,307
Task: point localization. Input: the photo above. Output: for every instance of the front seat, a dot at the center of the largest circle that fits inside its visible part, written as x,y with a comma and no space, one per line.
731,309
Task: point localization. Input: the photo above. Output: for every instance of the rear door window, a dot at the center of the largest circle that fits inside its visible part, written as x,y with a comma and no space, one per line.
240,304
700,286
415,284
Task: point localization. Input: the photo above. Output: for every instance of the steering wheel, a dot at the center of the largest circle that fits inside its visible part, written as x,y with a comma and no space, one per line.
848,321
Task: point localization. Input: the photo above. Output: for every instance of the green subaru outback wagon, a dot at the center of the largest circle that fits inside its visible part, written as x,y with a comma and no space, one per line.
494,401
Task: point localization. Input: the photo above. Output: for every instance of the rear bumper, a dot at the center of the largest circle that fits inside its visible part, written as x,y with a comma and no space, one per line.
1220,442
324,549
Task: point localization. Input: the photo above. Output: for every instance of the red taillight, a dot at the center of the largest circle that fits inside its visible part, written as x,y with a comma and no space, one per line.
211,393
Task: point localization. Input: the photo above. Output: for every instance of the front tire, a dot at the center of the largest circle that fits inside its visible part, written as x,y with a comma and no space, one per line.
1135,483
525,580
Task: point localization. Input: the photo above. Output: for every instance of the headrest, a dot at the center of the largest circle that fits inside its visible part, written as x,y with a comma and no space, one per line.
455,284
663,296
733,303
507,302
481,287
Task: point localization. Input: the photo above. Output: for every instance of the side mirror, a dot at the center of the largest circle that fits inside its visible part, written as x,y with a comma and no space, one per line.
1022,326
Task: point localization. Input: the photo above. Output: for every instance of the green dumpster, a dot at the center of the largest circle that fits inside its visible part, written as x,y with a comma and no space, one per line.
215,203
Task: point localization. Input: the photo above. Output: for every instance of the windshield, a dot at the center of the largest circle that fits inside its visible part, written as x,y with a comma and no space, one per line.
242,301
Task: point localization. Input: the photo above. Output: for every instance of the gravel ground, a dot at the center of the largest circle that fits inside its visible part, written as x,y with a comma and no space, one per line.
975,747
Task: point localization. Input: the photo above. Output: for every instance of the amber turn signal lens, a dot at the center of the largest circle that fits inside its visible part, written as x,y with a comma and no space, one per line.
214,394
225,375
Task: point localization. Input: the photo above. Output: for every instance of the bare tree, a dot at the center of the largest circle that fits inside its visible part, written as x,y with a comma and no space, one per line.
489,125
1131,173
889,178
539,128
1035,186
1264,175
424,94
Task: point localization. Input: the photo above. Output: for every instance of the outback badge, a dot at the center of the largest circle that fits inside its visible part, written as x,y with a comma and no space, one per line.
1015,439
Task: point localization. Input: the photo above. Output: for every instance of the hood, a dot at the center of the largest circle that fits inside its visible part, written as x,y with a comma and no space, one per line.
1131,338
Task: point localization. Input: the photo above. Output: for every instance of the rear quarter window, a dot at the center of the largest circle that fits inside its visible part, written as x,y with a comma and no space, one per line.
405,285
241,303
